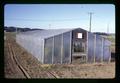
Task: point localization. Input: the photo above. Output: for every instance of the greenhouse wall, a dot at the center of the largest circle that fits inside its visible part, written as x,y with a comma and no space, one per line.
66,57
58,49
106,51
31,44
48,50
91,47
98,51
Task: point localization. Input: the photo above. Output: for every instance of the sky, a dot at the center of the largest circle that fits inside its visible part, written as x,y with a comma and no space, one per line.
53,16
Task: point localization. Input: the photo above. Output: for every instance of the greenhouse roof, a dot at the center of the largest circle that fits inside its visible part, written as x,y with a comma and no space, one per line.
46,33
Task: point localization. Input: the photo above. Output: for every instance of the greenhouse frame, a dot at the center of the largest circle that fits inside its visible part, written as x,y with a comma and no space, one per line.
61,46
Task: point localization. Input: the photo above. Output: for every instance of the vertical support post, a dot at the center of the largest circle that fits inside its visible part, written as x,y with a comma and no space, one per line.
70,46
84,57
102,50
94,46
43,53
62,48
87,49
53,51
110,54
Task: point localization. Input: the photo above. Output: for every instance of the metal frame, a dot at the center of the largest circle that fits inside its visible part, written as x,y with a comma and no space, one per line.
102,50
94,46
62,48
110,54
44,51
87,49
53,51
70,47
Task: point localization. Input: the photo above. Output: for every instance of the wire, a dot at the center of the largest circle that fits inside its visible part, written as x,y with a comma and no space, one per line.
42,19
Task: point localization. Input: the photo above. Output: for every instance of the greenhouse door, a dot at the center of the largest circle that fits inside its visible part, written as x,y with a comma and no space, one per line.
78,52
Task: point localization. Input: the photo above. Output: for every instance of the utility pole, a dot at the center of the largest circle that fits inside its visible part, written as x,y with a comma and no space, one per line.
49,26
108,29
90,13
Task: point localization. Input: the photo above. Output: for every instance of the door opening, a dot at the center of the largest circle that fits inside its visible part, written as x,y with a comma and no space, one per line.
78,52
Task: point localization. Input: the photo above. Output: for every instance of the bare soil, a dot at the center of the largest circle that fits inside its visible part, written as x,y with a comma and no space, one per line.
11,68
37,70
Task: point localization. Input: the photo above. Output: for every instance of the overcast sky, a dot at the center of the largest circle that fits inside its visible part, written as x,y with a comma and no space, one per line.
48,16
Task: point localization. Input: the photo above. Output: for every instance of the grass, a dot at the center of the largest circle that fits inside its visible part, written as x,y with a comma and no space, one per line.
112,39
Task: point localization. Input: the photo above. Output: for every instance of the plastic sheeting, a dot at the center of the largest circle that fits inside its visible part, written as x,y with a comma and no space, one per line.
99,49
31,45
106,50
57,49
90,47
48,50
35,41
66,48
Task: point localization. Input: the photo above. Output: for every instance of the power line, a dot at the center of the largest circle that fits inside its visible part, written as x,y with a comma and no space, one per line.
45,19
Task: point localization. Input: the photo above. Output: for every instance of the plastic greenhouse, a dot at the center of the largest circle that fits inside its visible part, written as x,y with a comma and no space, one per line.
60,46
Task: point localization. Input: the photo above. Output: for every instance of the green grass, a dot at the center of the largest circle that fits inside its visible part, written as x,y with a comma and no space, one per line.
111,38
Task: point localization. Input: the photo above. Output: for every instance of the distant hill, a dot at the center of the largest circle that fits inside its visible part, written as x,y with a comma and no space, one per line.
105,34
101,33
13,29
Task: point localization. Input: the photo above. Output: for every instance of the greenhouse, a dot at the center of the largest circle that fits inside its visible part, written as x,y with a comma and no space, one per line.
61,46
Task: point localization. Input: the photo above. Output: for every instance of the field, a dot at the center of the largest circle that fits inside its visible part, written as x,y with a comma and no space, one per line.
37,70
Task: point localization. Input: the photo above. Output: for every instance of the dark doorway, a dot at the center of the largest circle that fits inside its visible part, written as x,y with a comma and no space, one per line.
78,52
79,38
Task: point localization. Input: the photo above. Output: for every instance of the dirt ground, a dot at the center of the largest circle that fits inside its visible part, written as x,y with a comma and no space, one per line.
38,70
11,68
